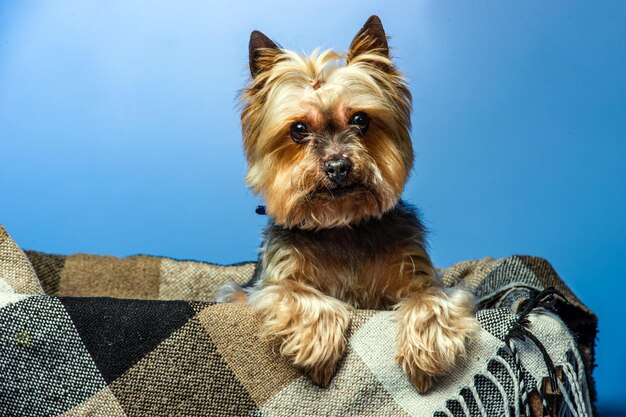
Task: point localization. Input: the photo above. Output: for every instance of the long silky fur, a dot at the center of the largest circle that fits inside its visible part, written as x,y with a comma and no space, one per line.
325,251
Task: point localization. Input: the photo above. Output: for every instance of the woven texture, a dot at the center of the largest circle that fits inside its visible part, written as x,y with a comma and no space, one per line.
87,335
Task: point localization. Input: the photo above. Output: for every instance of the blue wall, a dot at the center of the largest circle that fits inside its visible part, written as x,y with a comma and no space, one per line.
119,130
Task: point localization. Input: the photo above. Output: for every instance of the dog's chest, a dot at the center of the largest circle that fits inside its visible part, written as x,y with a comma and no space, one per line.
360,279
363,265
354,268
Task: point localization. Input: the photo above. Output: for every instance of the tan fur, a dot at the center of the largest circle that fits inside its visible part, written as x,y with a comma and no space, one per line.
309,324
433,327
285,173
327,251
366,281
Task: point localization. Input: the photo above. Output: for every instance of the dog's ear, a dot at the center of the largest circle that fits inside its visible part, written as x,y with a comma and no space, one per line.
371,39
261,51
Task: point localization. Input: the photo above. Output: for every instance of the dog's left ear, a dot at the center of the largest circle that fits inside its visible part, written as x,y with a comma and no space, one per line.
370,39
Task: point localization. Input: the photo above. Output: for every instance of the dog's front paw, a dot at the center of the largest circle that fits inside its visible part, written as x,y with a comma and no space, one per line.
434,328
316,347
408,360
321,373
309,327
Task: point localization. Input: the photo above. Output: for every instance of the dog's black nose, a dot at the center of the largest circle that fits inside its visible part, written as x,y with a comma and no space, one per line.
338,169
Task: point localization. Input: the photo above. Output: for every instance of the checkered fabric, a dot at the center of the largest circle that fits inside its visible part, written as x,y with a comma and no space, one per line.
87,335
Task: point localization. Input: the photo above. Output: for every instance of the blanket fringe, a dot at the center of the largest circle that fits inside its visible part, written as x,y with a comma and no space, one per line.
561,393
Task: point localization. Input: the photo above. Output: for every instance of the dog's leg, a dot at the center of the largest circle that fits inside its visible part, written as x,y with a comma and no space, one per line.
434,324
231,292
310,325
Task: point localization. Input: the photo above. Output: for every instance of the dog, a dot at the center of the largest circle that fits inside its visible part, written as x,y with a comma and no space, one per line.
327,142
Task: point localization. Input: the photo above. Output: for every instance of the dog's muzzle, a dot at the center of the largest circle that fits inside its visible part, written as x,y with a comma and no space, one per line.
337,169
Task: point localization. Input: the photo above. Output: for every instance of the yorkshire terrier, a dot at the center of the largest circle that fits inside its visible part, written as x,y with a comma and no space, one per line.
328,147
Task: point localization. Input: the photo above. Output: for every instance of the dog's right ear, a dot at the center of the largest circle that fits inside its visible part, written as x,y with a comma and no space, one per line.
261,53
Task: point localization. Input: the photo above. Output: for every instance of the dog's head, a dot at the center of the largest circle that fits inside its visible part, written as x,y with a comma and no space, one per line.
326,136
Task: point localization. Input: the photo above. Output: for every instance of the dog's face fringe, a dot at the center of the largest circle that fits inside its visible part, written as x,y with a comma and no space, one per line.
324,91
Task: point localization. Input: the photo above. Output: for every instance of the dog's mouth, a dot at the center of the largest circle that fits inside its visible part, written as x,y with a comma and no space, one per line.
345,190
351,189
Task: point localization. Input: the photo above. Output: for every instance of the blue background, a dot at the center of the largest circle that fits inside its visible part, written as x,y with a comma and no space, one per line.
119,131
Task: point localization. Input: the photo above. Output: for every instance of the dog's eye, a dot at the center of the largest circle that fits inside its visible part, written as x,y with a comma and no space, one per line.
298,131
361,121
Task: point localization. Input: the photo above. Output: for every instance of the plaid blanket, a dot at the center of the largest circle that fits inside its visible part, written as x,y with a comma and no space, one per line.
87,335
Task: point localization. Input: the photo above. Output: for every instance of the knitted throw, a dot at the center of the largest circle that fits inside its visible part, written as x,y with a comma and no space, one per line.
87,335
